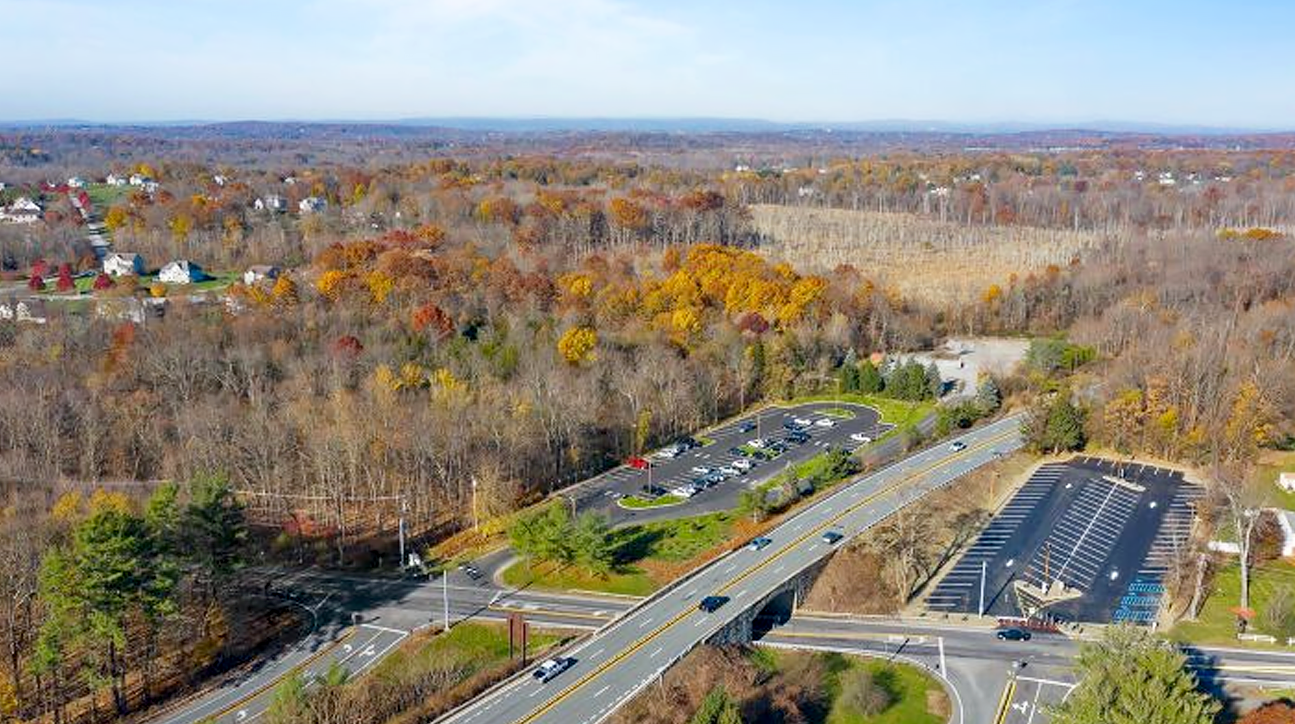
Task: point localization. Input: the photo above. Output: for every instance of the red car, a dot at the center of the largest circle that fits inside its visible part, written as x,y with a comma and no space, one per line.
638,463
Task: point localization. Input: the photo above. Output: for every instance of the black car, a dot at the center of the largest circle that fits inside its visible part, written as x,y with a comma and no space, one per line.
689,442
790,425
831,537
746,426
472,571
739,451
711,604
655,491
1013,634
799,438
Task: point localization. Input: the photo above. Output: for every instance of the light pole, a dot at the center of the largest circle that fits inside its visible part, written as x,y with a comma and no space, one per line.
445,596
403,510
476,522
984,566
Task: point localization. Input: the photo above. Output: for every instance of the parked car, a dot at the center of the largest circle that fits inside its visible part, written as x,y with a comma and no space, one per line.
670,451
860,437
546,671
759,544
757,443
638,463
832,537
711,604
701,469
471,571
799,438
739,451
1013,634
825,422
803,422
730,470
714,479
746,426
688,443
743,464
655,491
958,446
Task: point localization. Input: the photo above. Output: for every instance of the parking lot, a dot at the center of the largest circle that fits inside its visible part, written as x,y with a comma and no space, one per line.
823,425
1106,530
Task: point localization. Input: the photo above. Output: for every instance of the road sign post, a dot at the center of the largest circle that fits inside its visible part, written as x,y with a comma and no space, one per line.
445,596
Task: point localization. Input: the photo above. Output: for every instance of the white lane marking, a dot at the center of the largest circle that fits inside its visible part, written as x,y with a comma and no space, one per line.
654,653
645,622
601,691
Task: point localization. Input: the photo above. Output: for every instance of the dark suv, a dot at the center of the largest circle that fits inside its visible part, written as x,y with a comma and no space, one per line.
711,604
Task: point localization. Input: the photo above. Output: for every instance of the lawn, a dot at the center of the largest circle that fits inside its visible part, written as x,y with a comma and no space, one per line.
102,196
469,646
1265,477
1216,623
634,502
216,282
914,693
839,412
648,556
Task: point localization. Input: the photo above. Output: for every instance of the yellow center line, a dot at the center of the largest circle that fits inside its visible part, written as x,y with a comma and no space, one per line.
1005,703
760,566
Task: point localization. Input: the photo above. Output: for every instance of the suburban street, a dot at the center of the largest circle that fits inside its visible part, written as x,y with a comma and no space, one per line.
615,663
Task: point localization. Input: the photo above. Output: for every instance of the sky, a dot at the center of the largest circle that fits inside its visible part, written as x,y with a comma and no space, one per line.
1190,62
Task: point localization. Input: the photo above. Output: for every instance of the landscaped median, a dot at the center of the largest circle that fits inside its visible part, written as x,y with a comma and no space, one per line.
635,502
429,674
901,414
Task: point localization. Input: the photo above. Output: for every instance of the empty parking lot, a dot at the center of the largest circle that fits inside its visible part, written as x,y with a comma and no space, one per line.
1102,531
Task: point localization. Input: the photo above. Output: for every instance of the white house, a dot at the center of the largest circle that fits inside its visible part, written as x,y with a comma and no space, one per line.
138,179
219,179
272,202
181,271
151,186
76,182
22,211
311,204
23,310
1286,481
260,273
115,180
119,264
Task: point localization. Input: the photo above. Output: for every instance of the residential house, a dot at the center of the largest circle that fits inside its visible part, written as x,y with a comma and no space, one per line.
76,182
219,179
115,180
118,264
23,310
272,202
1286,481
260,273
138,179
181,271
22,211
312,204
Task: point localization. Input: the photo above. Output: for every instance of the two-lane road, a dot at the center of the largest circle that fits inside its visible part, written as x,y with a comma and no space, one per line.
619,660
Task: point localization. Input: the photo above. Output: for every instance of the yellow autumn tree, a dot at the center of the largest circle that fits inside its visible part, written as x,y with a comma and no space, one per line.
284,292
330,284
577,345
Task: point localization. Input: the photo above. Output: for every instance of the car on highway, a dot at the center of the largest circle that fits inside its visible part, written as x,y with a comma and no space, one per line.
471,571
759,544
546,671
746,426
832,537
711,604
958,446
825,422
638,463
1012,634
860,437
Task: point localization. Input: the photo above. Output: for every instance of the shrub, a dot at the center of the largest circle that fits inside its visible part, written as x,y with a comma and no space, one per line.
864,693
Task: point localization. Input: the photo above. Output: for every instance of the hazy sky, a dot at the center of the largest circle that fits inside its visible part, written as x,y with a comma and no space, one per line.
1214,62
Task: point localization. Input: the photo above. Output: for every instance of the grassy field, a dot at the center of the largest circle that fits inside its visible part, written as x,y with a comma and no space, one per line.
102,196
1216,623
1270,466
900,413
216,282
916,697
647,557
469,646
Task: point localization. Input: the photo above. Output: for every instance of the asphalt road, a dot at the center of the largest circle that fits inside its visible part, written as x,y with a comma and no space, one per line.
985,684
601,493
615,663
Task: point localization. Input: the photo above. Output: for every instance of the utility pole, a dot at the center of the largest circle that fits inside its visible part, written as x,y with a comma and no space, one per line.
403,508
984,567
445,596
476,521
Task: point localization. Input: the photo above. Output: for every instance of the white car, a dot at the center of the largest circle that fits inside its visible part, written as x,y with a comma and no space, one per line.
701,470
730,470
803,421
743,464
684,491
860,437
958,446
825,422
756,443
551,668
